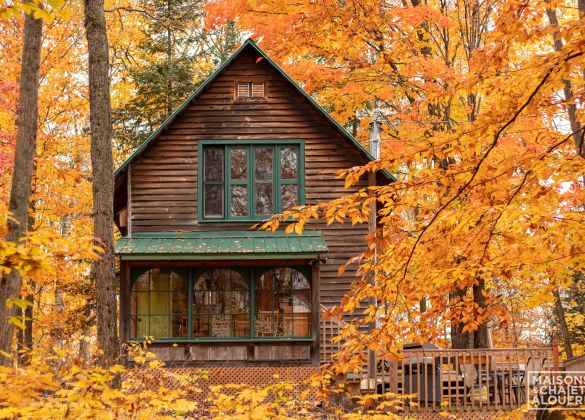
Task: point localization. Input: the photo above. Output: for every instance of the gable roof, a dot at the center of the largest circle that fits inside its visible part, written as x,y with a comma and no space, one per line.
248,43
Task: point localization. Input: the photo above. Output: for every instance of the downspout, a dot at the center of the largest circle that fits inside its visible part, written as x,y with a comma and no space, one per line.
374,143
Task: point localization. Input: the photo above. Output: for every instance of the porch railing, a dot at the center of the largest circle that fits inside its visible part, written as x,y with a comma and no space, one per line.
450,380
461,380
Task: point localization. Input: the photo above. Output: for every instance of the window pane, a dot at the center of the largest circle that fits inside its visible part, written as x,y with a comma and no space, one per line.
221,326
263,163
160,279
289,196
238,302
177,282
213,164
288,163
160,303
238,163
180,326
301,301
139,303
265,324
239,204
297,325
200,325
264,199
179,302
241,325
213,197
141,282
139,326
160,326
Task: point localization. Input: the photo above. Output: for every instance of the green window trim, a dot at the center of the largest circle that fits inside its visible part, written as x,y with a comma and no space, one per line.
252,276
250,182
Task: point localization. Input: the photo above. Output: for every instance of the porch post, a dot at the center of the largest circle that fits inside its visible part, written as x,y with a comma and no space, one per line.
124,325
316,305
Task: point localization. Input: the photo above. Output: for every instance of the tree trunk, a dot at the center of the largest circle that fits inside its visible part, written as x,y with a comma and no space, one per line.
103,178
576,126
22,175
459,339
560,313
480,336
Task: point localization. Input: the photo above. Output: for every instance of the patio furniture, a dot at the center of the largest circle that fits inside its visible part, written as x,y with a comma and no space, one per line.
519,384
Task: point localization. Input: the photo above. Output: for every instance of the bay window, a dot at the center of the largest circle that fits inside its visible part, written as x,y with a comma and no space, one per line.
211,304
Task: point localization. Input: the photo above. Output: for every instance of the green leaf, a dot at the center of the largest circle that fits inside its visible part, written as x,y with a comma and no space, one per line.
16,321
21,303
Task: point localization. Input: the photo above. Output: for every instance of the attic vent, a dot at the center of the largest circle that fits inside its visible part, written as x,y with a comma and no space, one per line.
257,90
251,90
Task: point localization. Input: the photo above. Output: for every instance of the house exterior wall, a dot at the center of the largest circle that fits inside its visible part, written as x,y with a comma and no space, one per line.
162,189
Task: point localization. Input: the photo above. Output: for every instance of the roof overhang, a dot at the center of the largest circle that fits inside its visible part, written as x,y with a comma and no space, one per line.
225,246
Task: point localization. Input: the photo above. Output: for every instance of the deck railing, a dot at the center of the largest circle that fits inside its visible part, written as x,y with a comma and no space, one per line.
461,380
450,380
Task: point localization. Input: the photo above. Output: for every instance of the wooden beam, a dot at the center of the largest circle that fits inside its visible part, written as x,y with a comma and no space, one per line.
129,194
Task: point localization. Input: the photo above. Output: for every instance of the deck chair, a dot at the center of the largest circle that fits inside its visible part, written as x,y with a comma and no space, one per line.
534,364
470,377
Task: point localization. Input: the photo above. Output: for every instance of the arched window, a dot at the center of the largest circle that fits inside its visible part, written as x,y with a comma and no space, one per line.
221,305
159,305
282,304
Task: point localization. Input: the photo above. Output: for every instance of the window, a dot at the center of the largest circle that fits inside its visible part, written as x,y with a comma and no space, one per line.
223,304
250,90
283,304
159,305
241,181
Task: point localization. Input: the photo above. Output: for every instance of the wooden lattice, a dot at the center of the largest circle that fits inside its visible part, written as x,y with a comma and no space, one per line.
204,378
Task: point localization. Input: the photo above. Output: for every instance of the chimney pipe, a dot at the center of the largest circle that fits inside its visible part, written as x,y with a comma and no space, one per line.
375,134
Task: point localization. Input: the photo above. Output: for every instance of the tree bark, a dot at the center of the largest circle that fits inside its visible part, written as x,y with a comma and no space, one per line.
480,336
576,126
459,339
103,178
22,174
560,313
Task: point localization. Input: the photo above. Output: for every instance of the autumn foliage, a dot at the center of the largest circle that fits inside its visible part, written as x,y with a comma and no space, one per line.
482,111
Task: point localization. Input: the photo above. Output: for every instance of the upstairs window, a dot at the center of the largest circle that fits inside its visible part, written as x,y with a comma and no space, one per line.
239,181
250,90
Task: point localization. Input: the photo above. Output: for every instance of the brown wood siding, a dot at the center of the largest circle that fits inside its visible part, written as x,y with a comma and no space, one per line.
164,178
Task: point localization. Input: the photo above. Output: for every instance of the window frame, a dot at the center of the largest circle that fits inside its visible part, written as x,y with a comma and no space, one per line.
277,181
252,275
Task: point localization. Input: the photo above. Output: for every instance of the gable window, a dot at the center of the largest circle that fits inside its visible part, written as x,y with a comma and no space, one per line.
239,181
250,90
212,304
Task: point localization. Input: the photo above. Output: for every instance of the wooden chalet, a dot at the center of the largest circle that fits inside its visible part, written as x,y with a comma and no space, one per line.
195,275
210,290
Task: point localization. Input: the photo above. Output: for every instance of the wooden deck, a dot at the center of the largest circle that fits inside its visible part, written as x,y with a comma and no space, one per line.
449,380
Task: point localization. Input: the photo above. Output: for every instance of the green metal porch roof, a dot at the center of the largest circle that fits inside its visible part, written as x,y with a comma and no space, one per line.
227,245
